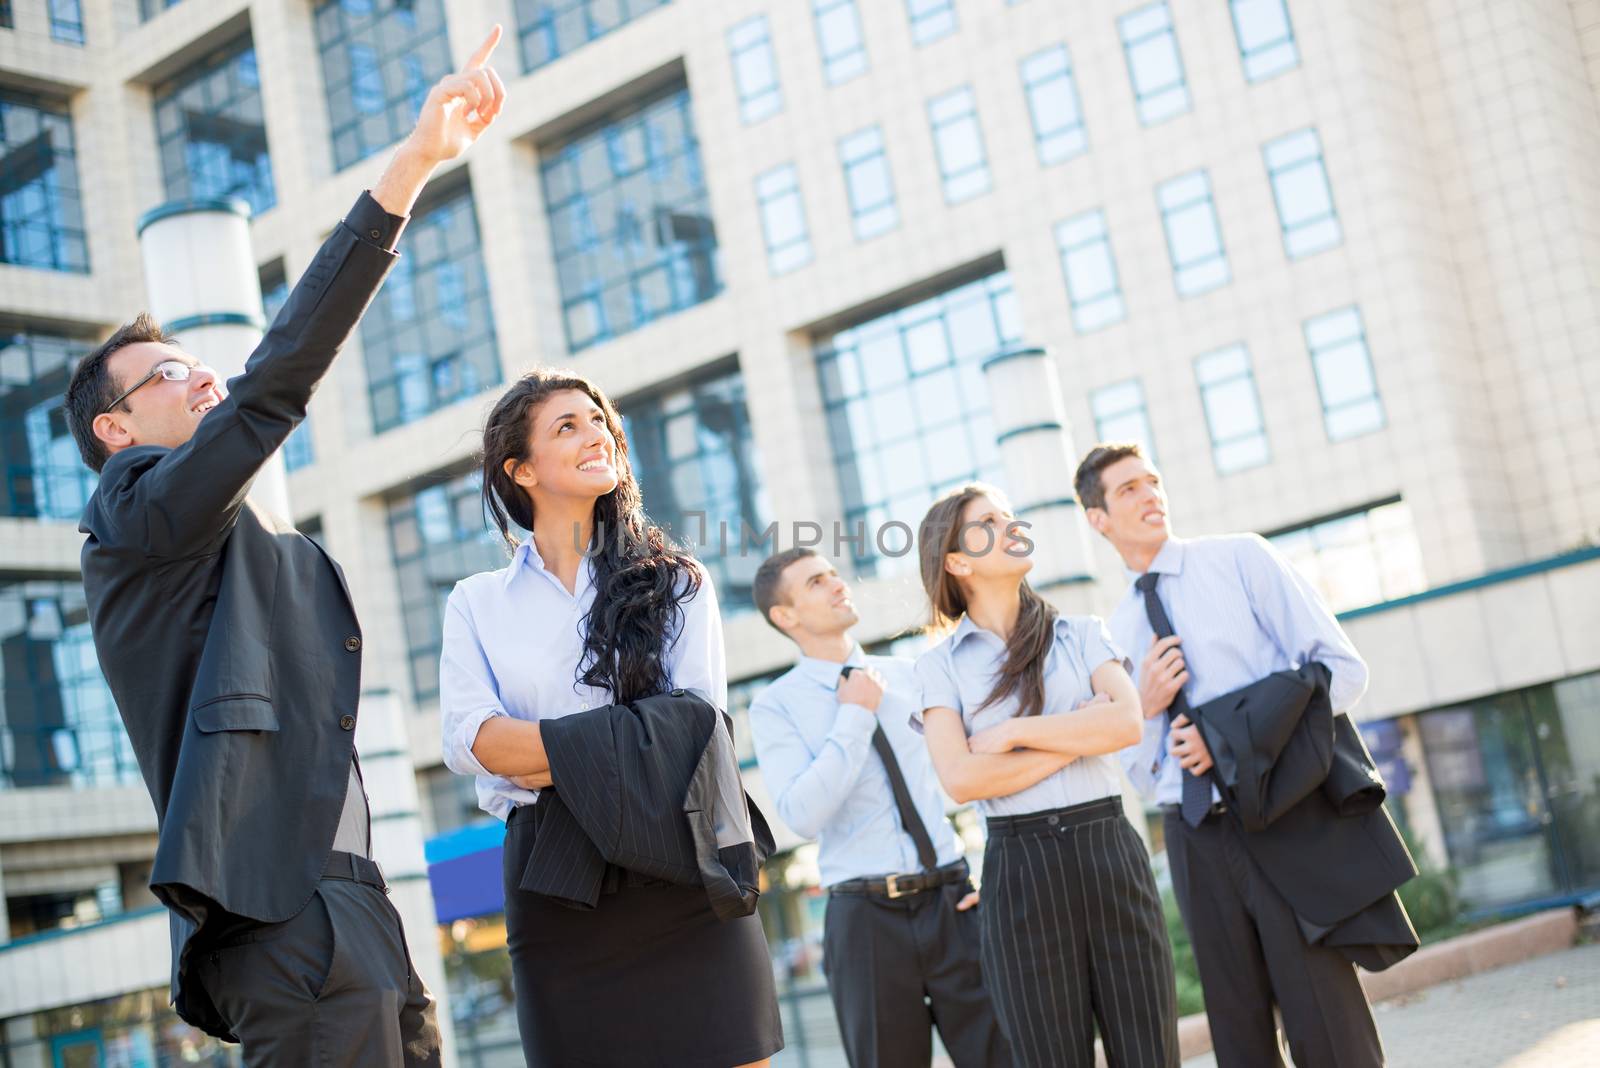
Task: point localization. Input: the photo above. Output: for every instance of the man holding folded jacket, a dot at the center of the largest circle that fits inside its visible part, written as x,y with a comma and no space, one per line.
1283,860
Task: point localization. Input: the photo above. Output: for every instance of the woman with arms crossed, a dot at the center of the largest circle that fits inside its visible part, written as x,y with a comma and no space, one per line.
1022,709
596,607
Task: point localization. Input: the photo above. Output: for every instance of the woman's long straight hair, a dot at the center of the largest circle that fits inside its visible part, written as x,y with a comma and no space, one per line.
641,579
1022,673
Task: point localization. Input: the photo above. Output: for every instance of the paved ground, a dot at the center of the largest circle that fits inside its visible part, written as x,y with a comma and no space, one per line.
1543,1013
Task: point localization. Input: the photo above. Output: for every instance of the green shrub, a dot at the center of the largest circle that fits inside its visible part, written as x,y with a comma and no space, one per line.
1189,997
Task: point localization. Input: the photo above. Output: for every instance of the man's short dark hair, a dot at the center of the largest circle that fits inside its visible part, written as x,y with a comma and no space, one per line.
769,577
1091,490
93,387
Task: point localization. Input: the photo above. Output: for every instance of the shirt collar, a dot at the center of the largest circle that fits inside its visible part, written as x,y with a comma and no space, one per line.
527,558
1168,561
827,671
966,628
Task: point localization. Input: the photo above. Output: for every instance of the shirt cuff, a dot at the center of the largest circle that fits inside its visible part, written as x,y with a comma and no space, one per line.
856,726
467,734
373,225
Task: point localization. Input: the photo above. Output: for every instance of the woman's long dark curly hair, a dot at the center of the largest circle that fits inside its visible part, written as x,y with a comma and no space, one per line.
641,579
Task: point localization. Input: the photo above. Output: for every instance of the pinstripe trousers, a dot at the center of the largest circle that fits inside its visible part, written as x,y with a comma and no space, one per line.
1074,938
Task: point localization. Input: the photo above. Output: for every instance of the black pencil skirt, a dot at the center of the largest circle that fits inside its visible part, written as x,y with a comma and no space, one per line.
650,978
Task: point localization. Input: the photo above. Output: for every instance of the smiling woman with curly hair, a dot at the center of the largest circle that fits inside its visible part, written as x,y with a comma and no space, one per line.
597,607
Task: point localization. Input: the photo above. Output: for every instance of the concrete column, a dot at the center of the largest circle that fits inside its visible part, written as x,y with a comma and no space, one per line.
1031,431
391,783
203,286
1035,442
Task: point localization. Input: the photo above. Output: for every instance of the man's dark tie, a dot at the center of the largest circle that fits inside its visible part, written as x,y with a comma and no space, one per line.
909,817
1196,790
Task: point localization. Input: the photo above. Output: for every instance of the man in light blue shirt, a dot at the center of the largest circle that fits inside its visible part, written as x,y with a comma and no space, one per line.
844,765
1231,611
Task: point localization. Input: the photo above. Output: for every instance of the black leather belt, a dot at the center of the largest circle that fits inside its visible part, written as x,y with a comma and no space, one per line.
1176,811
898,886
356,869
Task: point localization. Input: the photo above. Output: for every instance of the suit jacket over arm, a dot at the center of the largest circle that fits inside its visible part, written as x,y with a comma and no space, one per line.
653,788
1305,791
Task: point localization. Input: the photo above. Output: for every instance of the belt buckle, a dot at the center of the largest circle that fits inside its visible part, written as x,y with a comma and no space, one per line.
892,888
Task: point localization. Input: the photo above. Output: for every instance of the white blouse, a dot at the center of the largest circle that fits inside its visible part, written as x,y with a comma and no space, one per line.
512,642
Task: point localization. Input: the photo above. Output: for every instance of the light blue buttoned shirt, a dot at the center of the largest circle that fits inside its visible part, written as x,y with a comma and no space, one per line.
959,673
1243,612
512,642
828,782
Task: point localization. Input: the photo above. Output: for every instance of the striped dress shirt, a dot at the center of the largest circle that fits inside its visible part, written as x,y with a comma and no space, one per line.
1243,612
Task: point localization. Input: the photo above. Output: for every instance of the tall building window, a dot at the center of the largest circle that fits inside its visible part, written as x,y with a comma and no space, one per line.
908,410
1233,410
1090,270
1360,557
297,450
428,337
630,220
66,21
700,474
41,214
60,726
755,69
1266,39
549,29
1120,415
379,59
931,19
1194,236
783,219
149,9
868,182
209,126
5,15
1338,344
438,536
1053,104
844,52
45,478
1155,66
958,142
1300,189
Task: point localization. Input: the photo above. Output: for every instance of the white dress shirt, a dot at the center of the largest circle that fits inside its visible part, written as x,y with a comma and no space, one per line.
960,672
827,780
1243,612
512,642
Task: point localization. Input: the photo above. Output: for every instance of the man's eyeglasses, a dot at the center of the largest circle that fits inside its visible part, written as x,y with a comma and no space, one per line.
171,370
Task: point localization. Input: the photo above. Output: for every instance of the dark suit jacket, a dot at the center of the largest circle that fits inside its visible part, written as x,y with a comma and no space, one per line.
1305,791
652,788
229,640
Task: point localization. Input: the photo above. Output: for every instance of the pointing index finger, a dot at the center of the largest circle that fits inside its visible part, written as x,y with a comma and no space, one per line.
481,56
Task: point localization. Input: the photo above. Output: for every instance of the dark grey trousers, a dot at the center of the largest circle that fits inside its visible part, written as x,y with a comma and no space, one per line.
331,986
1074,940
896,969
1251,956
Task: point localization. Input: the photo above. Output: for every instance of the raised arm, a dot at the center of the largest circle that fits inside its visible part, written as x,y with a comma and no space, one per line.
177,502
808,788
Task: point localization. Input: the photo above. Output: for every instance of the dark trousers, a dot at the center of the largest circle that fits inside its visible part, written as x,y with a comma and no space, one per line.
898,968
1074,939
1251,956
331,986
